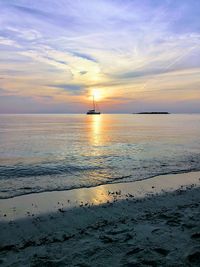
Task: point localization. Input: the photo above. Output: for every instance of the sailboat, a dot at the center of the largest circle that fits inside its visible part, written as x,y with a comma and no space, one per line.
93,111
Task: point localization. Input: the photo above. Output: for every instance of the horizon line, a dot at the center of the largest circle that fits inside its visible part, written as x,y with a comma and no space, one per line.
106,113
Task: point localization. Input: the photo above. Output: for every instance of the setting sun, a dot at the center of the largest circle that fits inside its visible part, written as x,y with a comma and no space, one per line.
97,93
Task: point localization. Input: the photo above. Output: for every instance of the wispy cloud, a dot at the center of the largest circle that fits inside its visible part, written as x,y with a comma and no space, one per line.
72,89
8,42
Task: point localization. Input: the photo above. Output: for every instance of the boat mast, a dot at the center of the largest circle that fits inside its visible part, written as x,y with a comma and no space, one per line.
93,103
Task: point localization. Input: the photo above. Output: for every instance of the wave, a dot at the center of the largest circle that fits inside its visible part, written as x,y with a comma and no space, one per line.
21,179
16,171
121,179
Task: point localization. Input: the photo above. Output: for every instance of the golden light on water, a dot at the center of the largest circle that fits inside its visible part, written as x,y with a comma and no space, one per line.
96,128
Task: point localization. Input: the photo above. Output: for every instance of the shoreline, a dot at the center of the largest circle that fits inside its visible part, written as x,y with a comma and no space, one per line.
112,182
155,227
35,204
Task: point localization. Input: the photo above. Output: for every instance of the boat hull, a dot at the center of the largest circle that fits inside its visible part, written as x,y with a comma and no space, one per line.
93,113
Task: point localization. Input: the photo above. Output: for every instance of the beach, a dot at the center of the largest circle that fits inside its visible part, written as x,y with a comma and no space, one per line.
143,223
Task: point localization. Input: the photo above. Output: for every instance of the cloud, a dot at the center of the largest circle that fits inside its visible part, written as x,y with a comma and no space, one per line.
8,42
31,11
72,89
2,91
84,56
83,72
24,34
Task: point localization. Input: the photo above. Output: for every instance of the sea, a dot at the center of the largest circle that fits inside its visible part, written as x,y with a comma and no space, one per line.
51,152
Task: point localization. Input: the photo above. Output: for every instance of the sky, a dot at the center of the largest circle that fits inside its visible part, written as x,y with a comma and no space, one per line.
132,55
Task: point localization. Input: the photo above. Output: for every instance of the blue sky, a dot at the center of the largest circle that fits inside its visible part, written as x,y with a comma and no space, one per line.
135,55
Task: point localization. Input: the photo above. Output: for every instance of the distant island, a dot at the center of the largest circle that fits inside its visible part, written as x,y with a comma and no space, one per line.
153,112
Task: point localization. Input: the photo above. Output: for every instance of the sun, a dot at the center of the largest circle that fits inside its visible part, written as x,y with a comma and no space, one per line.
97,93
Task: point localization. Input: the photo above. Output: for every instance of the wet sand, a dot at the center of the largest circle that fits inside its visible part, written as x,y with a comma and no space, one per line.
155,222
50,202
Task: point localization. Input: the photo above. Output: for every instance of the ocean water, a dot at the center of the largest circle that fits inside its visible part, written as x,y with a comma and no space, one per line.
56,152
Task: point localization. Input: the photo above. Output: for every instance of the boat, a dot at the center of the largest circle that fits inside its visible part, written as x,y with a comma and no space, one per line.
93,111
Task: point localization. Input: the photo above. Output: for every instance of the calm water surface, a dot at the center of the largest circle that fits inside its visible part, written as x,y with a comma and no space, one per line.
56,152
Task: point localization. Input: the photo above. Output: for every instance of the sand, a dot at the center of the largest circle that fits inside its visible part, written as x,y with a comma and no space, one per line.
155,222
